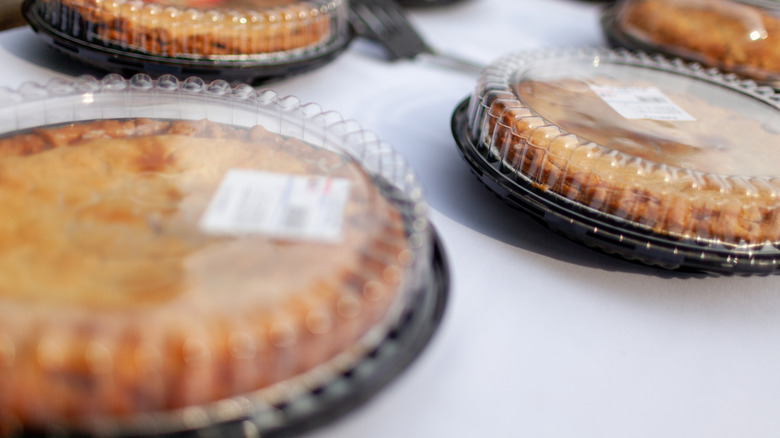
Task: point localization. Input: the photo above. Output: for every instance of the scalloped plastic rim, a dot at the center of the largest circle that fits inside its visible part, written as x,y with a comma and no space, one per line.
86,98
498,79
333,10
599,231
62,101
255,68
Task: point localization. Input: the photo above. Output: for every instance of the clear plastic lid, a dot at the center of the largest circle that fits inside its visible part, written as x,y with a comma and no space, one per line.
175,245
663,146
246,40
740,36
213,29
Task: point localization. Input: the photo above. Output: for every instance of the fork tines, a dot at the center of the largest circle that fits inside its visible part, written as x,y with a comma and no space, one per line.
385,22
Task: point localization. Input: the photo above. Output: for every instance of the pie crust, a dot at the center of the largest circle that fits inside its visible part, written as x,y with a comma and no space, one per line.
732,35
115,303
198,29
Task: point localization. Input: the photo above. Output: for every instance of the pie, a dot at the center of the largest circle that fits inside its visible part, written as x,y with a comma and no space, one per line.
115,302
731,35
708,177
198,28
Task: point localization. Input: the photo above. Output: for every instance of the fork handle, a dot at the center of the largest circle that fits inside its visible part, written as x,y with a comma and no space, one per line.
451,61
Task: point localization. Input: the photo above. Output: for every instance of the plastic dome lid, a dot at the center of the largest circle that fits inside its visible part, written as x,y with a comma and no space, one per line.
195,256
232,40
660,148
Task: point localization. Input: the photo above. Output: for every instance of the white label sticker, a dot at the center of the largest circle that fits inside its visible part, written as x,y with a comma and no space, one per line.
279,205
641,103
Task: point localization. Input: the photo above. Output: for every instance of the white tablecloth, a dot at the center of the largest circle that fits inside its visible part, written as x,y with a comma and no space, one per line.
542,337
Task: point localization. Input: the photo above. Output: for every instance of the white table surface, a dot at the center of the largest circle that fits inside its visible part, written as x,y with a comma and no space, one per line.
541,337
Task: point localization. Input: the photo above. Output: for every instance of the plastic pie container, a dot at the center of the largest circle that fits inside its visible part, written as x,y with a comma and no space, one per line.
235,40
737,36
188,257
637,155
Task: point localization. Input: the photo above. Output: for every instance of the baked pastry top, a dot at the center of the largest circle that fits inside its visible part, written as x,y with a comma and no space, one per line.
716,140
115,301
708,176
727,34
222,29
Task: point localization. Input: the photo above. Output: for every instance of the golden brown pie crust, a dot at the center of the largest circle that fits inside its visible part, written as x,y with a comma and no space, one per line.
630,184
167,29
114,303
723,33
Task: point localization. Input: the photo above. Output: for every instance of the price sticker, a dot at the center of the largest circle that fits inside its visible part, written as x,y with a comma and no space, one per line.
641,103
300,207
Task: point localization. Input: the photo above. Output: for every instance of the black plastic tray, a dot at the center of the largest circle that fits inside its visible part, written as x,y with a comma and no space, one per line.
603,232
127,63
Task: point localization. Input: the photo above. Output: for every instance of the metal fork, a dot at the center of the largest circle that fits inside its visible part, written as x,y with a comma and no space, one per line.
385,22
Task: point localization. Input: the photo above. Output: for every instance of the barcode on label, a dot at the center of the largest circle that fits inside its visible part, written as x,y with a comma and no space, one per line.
277,205
641,103
651,99
295,218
